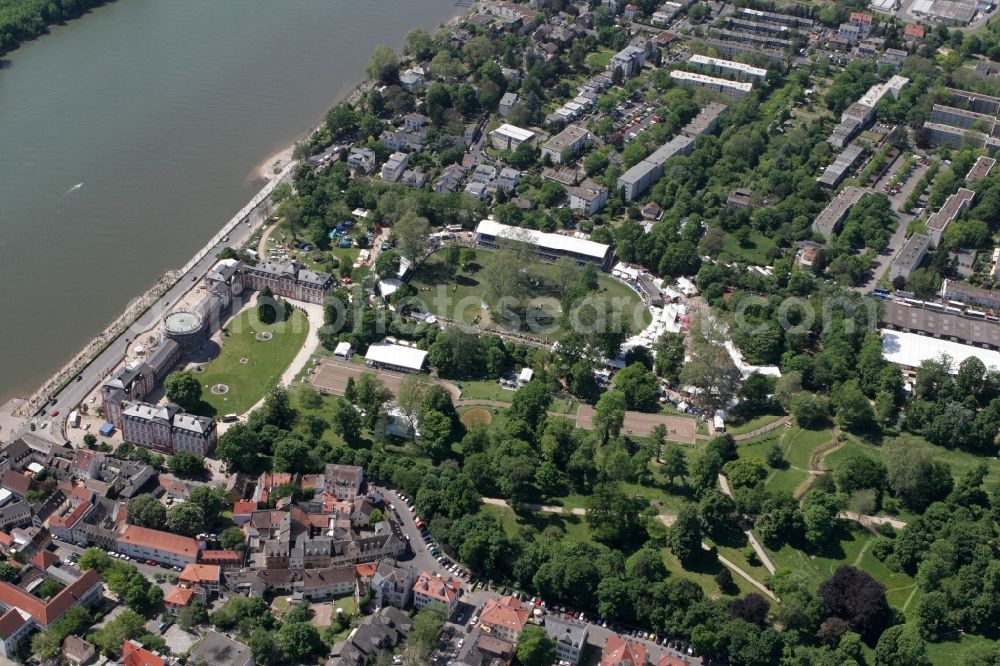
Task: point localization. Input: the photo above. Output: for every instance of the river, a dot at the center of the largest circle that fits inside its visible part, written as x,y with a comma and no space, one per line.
130,136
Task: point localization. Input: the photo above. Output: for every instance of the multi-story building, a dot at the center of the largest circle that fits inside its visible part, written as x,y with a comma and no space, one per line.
504,617
948,213
23,612
327,583
343,481
841,166
909,257
392,585
394,167
570,637
433,589
734,89
588,198
629,60
361,159
567,144
988,299
829,220
641,176
168,429
144,544
621,652
706,121
291,280
738,69
509,137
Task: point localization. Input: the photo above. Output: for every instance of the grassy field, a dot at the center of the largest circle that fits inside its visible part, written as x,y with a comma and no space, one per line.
490,389
574,527
752,424
755,250
265,361
461,297
598,61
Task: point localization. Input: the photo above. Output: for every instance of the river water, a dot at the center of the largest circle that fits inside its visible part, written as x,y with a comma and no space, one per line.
130,136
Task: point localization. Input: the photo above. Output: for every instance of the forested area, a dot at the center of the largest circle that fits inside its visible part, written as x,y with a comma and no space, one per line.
21,20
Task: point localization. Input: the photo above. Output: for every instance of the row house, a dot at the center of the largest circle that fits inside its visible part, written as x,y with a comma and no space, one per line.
433,589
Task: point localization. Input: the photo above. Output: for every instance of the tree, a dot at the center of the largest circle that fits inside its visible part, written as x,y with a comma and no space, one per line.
411,235
809,411
232,539
186,518
857,598
674,463
435,434
187,464
298,640
419,44
914,476
534,647
383,65
9,571
819,512
292,455
609,414
127,625
901,645
210,500
427,624
854,412
267,313
47,645
146,511
193,615
713,372
184,389
857,472
345,420
387,264
716,511
531,402
684,536
639,386
744,473
613,516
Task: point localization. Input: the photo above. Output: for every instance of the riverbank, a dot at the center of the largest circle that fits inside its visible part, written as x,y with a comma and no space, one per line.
18,26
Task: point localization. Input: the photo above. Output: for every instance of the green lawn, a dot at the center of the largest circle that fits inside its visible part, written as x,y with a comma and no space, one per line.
752,424
265,361
755,250
703,571
489,389
599,60
573,527
954,651
461,297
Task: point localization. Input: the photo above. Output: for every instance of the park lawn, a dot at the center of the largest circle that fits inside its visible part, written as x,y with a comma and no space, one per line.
752,424
461,297
574,527
266,361
486,389
755,251
702,571
955,649
598,61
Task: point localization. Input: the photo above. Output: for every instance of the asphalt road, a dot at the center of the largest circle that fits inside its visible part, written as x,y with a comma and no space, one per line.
71,396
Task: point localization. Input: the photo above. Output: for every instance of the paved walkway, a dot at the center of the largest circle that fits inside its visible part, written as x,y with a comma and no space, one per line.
757,548
869,522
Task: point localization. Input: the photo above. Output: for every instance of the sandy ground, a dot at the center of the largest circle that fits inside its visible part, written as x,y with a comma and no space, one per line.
267,169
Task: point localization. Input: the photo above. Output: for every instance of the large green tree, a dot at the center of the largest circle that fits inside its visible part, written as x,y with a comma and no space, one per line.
184,389
534,647
146,511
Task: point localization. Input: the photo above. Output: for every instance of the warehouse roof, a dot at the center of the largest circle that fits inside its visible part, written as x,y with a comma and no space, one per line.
912,349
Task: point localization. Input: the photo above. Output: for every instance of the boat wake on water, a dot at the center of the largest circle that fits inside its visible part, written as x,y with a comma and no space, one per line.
73,189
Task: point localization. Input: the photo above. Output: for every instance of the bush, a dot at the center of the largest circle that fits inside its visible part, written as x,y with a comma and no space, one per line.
881,549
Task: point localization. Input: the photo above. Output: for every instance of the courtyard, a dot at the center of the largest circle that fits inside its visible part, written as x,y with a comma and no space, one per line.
251,361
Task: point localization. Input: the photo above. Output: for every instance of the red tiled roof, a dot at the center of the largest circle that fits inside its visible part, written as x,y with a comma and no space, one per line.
10,622
157,540
47,613
219,556
6,539
912,30
244,507
366,569
178,596
133,654
44,559
620,652
507,612
69,519
201,573
441,589
667,660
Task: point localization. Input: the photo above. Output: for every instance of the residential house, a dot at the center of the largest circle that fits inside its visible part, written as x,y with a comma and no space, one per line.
621,652
433,589
570,637
509,137
394,167
507,102
77,651
382,631
343,481
589,198
415,178
566,144
508,179
504,617
450,179
134,654
361,159
392,585
629,60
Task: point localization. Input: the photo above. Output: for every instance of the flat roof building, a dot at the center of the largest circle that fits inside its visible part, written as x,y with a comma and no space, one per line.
509,137
569,142
829,220
738,69
550,246
977,102
940,321
837,171
966,293
640,177
948,213
950,12
981,169
706,121
909,257
218,650
395,357
735,89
